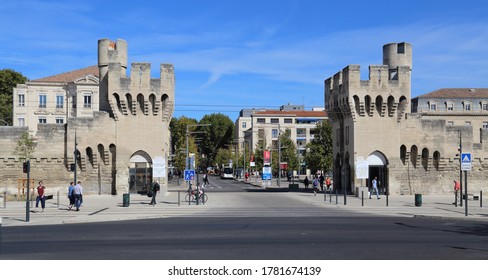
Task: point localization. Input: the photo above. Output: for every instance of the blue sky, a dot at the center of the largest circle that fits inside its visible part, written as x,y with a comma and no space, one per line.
230,55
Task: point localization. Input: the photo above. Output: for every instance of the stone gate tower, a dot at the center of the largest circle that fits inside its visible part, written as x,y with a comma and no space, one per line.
366,115
117,148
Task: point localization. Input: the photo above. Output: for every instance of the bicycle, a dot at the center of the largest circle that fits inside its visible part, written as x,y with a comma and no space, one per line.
193,196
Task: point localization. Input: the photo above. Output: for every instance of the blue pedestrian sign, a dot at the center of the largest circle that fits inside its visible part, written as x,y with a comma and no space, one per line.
466,161
189,175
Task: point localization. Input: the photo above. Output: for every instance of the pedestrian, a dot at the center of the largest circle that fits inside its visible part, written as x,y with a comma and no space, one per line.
78,194
374,184
315,186
457,189
321,180
71,195
205,179
328,183
41,189
306,182
155,190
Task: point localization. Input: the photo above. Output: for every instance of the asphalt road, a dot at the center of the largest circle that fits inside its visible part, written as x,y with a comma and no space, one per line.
231,238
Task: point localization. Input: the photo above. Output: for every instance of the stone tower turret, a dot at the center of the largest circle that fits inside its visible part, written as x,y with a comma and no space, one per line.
109,52
396,55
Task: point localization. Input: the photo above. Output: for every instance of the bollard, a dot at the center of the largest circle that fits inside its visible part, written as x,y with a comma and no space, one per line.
203,196
345,197
5,199
337,196
362,198
387,199
325,195
0,237
330,196
179,198
58,198
481,198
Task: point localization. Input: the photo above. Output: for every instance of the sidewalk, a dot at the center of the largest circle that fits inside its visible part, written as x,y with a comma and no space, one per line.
99,208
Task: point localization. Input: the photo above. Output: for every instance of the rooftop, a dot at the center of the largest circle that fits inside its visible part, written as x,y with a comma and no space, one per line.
456,93
71,76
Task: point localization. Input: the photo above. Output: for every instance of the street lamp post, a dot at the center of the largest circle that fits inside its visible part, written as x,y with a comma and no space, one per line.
187,165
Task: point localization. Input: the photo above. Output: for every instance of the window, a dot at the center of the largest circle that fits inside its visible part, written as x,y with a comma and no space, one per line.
450,123
274,133
485,124
21,121
261,120
42,100
59,120
450,106
243,124
21,100
59,101
87,102
467,123
288,120
433,106
275,120
467,106
484,106
42,120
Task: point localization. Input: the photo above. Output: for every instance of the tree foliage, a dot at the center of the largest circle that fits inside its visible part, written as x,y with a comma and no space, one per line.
25,146
288,152
319,151
8,80
178,128
216,136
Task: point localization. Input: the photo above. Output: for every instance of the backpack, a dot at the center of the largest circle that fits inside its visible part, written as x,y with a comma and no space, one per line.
315,182
156,187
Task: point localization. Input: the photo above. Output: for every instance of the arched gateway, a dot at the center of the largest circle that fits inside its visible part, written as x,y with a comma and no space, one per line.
378,167
140,172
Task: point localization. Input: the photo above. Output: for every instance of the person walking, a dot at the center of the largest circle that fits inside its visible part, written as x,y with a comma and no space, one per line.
41,197
315,186
78,194
71,195
155,190
374,185
321,180
457,189
306,182
328,183
205,179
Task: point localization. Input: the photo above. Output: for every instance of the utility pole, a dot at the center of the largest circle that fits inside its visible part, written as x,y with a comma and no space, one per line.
460,170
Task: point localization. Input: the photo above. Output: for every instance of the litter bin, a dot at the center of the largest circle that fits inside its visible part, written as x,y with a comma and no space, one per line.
418,200
125,200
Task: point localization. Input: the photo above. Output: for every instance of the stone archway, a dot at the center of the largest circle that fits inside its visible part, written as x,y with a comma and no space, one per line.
378,167
140,172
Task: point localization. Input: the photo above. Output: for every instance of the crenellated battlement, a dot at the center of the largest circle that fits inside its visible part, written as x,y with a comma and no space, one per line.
137,94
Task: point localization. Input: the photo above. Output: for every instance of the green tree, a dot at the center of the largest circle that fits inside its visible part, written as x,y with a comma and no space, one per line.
288,152
178,128
8,80
218,135
25,146
319,151
222,157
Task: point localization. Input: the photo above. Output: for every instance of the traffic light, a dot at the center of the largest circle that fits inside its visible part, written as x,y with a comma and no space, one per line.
26,167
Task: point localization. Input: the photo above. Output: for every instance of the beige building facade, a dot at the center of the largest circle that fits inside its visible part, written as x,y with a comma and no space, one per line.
262,127
410,145
115,127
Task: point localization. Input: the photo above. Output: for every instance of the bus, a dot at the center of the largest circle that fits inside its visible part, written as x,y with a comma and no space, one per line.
227,173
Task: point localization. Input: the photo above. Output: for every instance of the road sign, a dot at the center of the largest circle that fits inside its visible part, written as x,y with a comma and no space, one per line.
266,173
189,175
466,161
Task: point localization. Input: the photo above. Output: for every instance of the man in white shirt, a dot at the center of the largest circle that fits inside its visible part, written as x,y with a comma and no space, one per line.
78,193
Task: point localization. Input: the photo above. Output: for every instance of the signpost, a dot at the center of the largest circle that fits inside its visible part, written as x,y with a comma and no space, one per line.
466,166
189,175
